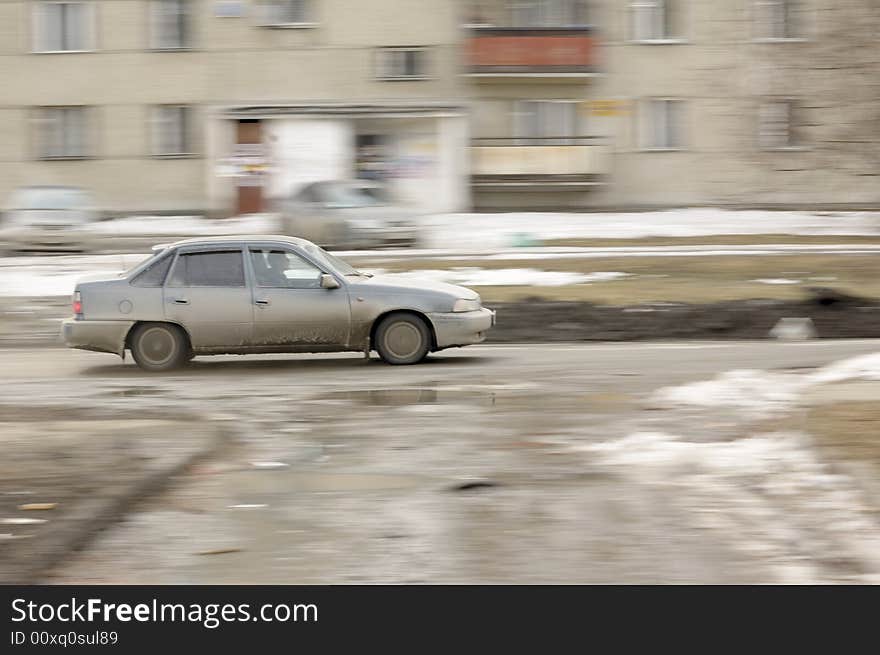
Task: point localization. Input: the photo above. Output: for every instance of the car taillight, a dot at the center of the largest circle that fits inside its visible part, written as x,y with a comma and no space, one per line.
77,303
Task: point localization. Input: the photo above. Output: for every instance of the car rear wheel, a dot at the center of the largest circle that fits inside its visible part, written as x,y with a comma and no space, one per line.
403,339
159,346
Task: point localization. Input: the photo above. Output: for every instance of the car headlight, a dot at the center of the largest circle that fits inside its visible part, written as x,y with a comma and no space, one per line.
464,305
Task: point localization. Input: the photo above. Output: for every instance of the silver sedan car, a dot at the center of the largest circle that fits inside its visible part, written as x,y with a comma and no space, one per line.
266,294
47,218
347,214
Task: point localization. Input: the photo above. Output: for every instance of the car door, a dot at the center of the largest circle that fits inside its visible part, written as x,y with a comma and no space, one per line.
207,293
290,307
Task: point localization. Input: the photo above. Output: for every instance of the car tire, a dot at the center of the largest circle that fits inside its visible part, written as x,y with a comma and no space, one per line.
403,339
158,347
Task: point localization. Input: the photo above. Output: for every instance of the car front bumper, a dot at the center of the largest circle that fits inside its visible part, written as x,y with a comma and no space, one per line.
41,241
100,336
462,328
383,237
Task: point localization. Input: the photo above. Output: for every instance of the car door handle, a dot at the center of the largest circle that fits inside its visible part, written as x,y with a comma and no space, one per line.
263,302
180,301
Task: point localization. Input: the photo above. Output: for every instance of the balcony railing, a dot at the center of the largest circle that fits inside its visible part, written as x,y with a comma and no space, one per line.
534,162
530,52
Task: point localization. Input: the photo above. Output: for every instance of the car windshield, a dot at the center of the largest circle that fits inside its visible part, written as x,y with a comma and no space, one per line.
345,196
330,261
48,198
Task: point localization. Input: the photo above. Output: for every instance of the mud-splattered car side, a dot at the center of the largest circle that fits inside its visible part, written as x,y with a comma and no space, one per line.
266,294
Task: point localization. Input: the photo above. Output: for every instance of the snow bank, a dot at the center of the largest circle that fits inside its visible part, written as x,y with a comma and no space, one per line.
471,231
184,226
506,230
777,280
765,392
863,367
769,495
479,277
56,276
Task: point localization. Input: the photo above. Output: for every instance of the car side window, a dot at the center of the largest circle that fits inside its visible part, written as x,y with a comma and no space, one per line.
154,275
282,269
218,268
306,195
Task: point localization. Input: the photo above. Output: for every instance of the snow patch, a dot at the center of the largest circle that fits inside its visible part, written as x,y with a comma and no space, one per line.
506,230
480,277
768,493
184,226
57,276
780,280
765,392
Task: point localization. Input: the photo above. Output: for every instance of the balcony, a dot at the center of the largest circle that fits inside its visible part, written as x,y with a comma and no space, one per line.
556,53
565,163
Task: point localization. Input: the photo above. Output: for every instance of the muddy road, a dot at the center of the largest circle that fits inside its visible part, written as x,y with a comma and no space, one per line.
502,463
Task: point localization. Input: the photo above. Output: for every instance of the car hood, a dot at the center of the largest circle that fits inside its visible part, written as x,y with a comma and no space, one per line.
393,283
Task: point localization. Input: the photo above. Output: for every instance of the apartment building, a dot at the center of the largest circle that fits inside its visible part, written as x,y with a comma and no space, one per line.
658,103
221,106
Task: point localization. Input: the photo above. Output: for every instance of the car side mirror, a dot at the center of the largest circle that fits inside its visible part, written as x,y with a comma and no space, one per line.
328,281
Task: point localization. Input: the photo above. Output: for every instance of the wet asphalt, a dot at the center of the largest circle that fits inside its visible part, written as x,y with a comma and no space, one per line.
472,467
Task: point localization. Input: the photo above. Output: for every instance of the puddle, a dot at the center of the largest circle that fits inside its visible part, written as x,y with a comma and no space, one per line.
134,391
326,482
409,396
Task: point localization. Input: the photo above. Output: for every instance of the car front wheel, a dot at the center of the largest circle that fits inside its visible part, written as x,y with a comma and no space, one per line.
403,339
159,346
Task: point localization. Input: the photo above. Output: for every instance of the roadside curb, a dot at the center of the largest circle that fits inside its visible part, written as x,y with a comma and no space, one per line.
93,517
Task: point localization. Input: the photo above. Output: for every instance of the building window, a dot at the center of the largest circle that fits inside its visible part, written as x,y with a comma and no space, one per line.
285,13
63,26
170,24
172,130
62,132
777,20
662,124
778,122
656,20
547,13
547,122
402,63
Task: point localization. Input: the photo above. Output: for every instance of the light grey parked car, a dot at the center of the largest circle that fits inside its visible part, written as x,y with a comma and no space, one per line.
347,214
47,218
266,294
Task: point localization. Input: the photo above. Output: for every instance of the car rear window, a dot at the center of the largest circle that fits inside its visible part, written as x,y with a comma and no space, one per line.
154,275
222,268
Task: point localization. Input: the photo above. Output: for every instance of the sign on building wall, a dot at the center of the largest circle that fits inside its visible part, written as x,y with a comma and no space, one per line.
606,107
248,163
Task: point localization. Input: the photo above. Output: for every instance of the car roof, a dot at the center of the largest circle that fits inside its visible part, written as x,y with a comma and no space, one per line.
244,238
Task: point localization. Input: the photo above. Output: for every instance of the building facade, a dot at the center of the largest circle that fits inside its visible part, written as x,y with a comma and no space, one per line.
222,106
